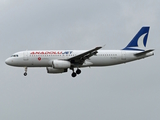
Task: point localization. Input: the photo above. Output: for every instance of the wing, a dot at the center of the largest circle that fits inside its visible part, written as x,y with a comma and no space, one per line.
79,59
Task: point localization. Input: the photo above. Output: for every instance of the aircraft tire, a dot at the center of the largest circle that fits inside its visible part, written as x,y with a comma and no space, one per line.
78,71
74,74
25,74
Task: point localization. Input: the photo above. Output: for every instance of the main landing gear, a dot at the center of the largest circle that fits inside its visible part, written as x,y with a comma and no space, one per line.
25,73
74,74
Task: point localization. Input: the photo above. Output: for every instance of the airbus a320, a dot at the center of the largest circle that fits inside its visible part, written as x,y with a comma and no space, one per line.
59,61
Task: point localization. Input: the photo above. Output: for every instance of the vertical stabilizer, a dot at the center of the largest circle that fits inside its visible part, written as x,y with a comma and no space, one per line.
139,41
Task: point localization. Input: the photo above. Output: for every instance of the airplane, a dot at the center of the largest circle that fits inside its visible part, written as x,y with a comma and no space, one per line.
59,61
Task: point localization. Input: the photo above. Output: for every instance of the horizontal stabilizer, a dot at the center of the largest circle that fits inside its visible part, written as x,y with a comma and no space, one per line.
144,53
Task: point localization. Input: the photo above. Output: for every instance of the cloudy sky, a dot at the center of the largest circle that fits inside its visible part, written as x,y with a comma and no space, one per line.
125,92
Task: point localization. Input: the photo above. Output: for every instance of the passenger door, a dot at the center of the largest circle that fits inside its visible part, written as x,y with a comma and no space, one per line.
25,55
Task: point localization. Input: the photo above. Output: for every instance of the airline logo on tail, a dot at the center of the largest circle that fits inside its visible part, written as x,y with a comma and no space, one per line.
139,41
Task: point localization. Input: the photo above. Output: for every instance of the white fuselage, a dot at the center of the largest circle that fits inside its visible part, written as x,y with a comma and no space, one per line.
44,58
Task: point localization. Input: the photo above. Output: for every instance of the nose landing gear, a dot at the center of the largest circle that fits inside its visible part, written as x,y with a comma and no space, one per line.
25,73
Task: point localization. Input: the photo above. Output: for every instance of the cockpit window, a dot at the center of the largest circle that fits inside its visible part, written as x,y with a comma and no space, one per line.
14,56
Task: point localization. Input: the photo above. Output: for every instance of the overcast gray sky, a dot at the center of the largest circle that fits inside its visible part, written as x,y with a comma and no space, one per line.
125,92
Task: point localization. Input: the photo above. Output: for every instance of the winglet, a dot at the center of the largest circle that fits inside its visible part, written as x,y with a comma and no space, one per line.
103,45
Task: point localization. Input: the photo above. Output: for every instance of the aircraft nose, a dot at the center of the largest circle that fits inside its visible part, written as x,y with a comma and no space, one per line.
8,61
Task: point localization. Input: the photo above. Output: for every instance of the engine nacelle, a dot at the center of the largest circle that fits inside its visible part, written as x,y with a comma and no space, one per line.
53,70
61,64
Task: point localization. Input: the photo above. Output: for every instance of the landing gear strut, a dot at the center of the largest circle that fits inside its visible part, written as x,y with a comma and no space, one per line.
25,73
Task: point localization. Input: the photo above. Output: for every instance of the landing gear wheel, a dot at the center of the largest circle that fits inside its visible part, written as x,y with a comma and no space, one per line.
78,71
25,74
74,74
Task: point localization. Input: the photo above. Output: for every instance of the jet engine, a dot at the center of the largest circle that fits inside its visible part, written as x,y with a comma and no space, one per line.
61,64
54,70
